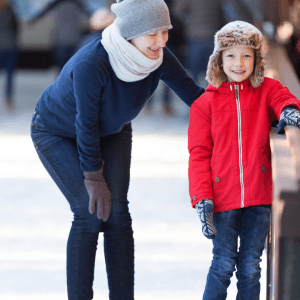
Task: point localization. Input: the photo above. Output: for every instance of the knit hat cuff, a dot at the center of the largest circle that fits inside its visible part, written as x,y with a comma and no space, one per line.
148,31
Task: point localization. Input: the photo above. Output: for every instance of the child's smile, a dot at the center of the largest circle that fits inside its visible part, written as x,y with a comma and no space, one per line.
238,63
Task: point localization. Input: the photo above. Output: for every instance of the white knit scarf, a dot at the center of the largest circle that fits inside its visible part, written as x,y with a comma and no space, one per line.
127,61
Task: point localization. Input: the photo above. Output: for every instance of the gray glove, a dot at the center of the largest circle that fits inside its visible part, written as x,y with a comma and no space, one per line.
99,194
205,210
289,116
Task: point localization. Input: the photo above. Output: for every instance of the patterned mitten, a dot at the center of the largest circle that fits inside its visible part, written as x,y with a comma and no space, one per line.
289,116
205,210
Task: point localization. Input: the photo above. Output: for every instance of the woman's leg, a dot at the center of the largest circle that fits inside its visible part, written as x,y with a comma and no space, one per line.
253,232
224,254
118,234
60,157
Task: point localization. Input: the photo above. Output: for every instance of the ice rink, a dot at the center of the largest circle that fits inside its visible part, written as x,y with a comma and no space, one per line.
172,256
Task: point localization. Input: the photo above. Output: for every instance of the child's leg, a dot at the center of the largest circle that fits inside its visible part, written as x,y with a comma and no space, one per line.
225,254
253,233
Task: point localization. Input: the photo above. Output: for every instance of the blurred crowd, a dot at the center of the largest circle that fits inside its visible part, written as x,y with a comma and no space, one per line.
191,39
292,34
8,46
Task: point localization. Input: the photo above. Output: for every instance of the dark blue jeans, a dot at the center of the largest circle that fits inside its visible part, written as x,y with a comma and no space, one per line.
60,157
251,225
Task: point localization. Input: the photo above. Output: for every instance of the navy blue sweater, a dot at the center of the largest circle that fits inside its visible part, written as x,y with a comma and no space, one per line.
88,101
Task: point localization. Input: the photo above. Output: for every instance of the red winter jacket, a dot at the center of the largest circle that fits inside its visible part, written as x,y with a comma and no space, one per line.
228,142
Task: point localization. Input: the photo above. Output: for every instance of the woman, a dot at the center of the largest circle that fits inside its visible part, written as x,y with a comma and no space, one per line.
82,133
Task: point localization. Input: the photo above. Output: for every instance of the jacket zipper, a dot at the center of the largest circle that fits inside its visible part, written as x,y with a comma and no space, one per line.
237,97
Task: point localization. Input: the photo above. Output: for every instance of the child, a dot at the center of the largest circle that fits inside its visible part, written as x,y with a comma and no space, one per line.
230,159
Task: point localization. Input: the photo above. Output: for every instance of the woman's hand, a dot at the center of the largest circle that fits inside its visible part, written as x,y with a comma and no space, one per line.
99,194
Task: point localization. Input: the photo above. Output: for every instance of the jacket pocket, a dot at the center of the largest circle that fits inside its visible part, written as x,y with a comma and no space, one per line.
261,179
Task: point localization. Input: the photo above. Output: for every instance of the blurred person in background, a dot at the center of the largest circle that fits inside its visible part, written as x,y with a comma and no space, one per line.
98,21
234,10
81,129
8,46
176,44
68,27
201,19
293,42
67,31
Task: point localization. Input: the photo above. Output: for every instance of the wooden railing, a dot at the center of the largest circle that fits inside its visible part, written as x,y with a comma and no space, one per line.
284,242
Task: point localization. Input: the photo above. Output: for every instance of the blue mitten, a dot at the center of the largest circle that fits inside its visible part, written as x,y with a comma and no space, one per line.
205,210
289,116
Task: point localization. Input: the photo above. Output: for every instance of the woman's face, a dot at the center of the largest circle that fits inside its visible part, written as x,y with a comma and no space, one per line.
151,43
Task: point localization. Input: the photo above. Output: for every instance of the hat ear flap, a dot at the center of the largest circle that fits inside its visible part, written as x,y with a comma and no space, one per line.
215,74
257,76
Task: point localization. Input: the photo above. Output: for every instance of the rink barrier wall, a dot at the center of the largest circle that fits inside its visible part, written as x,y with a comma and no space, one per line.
283,249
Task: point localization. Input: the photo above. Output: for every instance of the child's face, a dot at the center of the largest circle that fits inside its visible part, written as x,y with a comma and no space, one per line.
238,63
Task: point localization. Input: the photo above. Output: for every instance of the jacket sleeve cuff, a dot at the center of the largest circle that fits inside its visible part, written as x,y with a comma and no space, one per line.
196,199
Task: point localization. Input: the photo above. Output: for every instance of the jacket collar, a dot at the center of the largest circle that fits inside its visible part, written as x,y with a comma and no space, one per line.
228,87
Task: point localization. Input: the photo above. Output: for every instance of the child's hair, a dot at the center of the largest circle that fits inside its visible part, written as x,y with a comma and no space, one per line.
233,34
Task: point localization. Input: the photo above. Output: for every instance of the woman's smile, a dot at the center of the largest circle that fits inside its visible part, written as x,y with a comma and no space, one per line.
150,44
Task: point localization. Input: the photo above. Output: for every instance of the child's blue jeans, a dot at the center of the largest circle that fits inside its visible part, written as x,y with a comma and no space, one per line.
251,225
60,157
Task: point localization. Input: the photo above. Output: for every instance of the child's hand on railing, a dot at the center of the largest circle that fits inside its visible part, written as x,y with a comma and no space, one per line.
289,116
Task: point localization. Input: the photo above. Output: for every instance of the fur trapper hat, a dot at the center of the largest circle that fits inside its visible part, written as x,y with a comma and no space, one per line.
233,34
138,17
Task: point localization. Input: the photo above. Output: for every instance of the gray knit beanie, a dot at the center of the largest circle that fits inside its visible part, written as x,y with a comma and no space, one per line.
138,17
233,34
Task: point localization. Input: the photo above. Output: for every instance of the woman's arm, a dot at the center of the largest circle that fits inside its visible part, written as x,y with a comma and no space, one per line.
175,76
88,86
